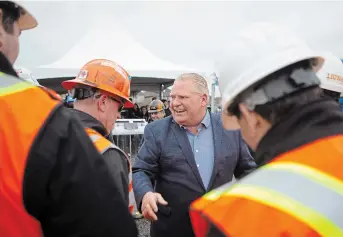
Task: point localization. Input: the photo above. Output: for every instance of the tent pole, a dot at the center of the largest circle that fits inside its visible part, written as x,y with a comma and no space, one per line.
213,91
161,89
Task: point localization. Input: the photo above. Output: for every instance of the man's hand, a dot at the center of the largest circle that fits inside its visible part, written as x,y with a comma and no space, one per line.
149,205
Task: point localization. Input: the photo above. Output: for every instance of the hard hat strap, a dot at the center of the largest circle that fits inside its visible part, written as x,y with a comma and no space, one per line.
83,93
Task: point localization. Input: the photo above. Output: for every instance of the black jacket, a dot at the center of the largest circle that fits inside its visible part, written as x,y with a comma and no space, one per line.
117,162
68,186
305,124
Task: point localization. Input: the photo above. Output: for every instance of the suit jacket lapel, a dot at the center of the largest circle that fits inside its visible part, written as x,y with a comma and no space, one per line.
182,139
217,130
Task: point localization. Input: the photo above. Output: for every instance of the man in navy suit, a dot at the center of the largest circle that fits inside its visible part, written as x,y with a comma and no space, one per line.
183,157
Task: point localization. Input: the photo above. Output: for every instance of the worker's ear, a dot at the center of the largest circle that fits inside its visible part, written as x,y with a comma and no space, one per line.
102,103
249,118
253,125
204,100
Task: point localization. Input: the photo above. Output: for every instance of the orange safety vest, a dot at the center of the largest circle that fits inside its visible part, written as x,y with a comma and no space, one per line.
24,108
102,145
300,193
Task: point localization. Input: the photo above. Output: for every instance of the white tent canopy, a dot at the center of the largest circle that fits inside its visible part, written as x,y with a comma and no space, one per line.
109,41
190,33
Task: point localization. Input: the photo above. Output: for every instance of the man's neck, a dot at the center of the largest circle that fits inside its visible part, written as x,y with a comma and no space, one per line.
194,127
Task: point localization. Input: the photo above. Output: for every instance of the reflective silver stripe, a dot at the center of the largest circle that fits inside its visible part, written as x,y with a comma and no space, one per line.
319,198
94,137
7,80
216,193
11,85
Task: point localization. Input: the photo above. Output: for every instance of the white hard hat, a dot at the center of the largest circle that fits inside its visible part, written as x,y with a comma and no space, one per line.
26,74
331,74
257,51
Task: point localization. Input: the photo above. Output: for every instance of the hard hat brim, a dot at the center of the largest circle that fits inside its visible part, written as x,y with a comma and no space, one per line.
70,84
331,87
128,104
26,21
154,111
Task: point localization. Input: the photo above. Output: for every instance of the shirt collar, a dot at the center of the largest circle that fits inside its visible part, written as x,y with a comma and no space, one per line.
206,121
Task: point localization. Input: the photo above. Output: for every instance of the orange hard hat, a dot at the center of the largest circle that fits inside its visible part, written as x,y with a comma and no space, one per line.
104,75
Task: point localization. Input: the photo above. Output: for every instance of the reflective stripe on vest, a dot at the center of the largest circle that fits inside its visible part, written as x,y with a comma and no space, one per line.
102,144
319,202
24,107
9,86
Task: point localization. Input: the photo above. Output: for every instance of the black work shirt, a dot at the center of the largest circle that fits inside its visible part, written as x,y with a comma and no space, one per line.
116,161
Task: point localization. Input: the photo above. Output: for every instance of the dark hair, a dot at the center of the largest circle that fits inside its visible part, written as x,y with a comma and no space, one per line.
10,14
6,67
276,110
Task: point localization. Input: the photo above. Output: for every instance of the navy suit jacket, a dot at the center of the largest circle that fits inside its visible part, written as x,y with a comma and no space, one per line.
165,164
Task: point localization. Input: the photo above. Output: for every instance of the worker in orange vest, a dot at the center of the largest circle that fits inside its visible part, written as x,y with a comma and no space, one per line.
53,181
101,90
270,91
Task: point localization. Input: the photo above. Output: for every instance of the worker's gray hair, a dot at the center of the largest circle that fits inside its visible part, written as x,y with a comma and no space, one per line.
198,80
